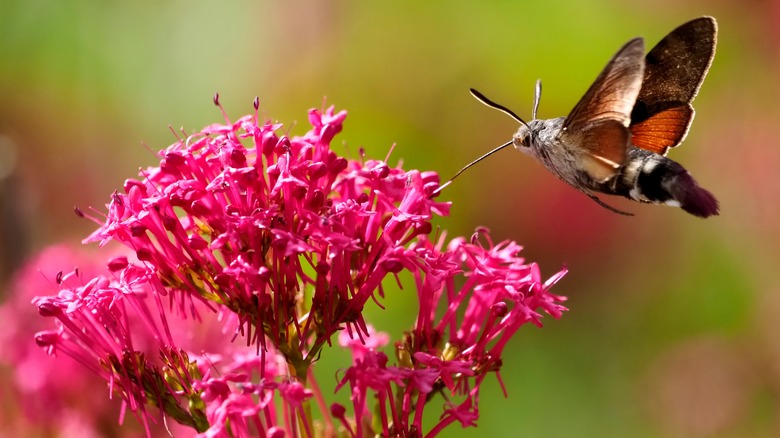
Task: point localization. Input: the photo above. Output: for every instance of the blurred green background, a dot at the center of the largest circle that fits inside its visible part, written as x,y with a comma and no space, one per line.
673,324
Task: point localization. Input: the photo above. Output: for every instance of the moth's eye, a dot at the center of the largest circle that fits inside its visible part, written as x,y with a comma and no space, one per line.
527,140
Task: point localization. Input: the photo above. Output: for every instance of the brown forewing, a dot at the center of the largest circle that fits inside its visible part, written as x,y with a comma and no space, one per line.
605,109
611,137
674,70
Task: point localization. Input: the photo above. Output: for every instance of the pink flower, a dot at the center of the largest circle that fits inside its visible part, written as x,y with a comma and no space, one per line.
446,369
241,226
464,413
101,324
52,393
500,293
371,342
287,243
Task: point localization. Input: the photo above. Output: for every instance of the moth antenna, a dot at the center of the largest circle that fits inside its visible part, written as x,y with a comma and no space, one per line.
537,97
609,207
441,187
487,102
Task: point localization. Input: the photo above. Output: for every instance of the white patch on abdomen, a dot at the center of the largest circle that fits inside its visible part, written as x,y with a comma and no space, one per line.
632,172
631,175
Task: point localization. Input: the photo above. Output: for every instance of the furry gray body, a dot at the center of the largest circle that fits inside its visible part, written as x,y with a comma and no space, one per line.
644,176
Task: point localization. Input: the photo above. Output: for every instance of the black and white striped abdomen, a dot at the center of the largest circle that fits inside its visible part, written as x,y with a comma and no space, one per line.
652,178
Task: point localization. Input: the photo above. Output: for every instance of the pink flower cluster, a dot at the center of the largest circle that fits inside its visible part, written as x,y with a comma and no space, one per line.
287,242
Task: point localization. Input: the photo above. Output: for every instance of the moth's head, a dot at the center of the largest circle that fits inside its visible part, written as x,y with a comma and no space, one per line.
522,138
537,135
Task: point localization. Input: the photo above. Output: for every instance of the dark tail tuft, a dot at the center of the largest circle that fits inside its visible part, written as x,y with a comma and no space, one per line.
692,198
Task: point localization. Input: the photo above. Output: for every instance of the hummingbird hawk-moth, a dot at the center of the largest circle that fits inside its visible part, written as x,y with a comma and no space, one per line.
616,138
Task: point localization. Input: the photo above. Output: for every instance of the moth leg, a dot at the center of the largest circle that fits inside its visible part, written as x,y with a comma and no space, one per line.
608,207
